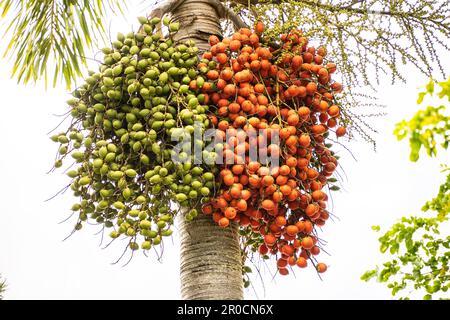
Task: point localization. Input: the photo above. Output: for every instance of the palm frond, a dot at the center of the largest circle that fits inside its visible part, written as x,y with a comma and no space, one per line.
59,30
2,287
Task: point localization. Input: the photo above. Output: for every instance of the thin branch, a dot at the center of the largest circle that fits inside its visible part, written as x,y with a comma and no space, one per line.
227,13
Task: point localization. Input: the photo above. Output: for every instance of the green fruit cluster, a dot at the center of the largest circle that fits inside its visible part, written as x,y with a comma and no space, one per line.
120,137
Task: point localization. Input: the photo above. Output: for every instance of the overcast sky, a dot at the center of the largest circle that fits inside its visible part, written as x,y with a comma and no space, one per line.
378,188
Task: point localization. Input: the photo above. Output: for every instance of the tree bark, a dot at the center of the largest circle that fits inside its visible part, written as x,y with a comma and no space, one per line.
211,262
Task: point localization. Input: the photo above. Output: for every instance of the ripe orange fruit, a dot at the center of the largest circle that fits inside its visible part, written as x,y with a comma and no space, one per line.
224,222
228,179
213,40
304,140
259,27
341,131
263,250
283,271
321,267
235,45
315,250
281,263
230,213
292,230
302,262
311,88
269,239
241,205
280,221
307,243
268,205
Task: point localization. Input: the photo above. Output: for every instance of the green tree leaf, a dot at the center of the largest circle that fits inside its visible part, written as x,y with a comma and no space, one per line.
419,254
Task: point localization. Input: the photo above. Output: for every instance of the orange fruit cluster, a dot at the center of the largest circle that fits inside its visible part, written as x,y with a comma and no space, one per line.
285,91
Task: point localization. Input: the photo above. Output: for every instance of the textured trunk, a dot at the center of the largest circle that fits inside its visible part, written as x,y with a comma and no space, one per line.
211,264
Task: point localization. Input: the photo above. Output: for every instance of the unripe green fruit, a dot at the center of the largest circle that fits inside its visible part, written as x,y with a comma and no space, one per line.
114,234
154,56
196,184
196,171
122,183
161,224
156,179
117,70
167,233
166,21
84,181
204,191
145,224
143,215
134,246
193,102
63,139
131,173
78,155
193,194
133,213
141,200
104,169
119,205
126,193
148,30
131,232
146,245
133,50
103,204
145,53
155,21
110,157
88,142
157,240
137,146
76,207
166,217
174,26
98,163
72,174
142,20
116,175
181,197
193,213
163,77
130,69
62,150
105,193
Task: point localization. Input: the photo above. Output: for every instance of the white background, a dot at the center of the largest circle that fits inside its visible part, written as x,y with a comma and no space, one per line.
380,187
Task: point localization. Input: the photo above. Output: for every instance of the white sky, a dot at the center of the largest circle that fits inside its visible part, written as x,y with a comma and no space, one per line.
381,187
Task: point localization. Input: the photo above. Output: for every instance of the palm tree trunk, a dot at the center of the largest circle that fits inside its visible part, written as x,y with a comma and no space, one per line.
211,263
211,266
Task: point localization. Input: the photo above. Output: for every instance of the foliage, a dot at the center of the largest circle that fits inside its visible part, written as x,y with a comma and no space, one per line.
420,253
2,287
58,30
427,125
364,37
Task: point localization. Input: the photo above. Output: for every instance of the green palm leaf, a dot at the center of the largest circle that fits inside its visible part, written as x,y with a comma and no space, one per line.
62,29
